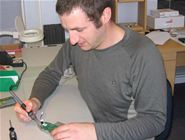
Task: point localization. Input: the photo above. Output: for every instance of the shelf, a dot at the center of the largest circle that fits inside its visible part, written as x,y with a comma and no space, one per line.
133,26
142,13
130,0
136,27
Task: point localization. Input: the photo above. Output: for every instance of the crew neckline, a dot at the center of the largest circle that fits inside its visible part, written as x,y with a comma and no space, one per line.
122,42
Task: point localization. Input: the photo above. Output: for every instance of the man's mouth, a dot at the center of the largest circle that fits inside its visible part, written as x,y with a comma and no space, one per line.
81,44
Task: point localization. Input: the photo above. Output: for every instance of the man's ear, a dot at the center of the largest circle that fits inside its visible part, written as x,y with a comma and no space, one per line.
106,15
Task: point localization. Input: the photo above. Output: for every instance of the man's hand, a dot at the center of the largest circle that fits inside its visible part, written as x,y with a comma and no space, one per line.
75,131
31,105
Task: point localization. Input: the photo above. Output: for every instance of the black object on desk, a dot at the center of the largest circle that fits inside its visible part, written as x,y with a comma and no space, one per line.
13,135
182,40
5,58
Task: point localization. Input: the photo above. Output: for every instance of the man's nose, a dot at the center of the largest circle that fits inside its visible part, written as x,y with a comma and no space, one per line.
74,38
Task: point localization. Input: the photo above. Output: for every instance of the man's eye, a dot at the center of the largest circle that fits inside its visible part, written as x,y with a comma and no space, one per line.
80,30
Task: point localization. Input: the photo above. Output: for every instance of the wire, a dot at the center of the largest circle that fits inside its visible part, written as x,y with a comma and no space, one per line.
17,83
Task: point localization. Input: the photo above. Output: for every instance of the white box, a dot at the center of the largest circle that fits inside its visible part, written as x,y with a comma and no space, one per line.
166,22
164,13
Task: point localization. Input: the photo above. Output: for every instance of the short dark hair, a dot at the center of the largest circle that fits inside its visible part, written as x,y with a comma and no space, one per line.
92,8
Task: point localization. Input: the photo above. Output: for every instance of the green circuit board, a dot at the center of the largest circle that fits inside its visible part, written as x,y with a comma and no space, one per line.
48,126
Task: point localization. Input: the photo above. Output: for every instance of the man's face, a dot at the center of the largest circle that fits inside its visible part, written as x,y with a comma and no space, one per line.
82,31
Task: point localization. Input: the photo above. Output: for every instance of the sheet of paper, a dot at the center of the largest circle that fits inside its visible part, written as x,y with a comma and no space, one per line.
159,38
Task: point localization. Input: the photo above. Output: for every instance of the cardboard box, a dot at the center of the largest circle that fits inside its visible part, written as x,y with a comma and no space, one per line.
166,22
164,13
14,50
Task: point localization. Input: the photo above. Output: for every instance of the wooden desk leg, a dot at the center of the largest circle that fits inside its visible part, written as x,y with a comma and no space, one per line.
180,59
170,67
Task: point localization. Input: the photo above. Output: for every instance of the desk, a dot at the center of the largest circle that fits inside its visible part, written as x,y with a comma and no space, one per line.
64,105
174,56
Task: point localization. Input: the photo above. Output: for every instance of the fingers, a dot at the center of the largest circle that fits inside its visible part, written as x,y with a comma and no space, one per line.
21,114
23,118
60,132
75,131
61,135
29,106
18,109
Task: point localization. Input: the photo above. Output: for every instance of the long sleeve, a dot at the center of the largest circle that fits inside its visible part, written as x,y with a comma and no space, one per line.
149,93
51,76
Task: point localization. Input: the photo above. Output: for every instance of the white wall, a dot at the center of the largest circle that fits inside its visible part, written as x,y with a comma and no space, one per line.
49,15
32,14
9,9
151,5
127,12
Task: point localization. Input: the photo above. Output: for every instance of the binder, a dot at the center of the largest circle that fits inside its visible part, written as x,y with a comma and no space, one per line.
8,78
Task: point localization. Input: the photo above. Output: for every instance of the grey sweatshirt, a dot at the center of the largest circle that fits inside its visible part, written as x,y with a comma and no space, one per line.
110,80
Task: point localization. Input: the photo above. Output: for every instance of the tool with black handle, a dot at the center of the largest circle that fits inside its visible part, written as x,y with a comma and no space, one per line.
13,135
31,114
46,126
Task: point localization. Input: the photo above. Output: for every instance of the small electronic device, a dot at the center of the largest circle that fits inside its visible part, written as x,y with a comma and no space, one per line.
182,40
17,63
48,127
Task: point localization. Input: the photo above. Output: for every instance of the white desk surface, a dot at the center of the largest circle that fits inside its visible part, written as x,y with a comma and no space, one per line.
65,105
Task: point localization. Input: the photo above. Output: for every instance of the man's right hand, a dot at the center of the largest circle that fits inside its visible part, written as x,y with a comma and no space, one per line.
31,105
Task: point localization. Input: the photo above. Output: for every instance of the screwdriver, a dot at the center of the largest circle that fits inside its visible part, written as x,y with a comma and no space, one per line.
13,135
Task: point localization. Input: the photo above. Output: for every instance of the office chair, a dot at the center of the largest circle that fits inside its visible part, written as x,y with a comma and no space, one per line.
165,133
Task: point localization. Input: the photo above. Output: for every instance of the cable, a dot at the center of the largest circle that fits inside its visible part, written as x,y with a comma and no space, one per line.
17,83
31,114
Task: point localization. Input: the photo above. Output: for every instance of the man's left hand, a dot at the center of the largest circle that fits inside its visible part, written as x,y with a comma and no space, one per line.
75,131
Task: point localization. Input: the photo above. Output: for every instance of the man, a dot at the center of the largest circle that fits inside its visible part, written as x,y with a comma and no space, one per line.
118,70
